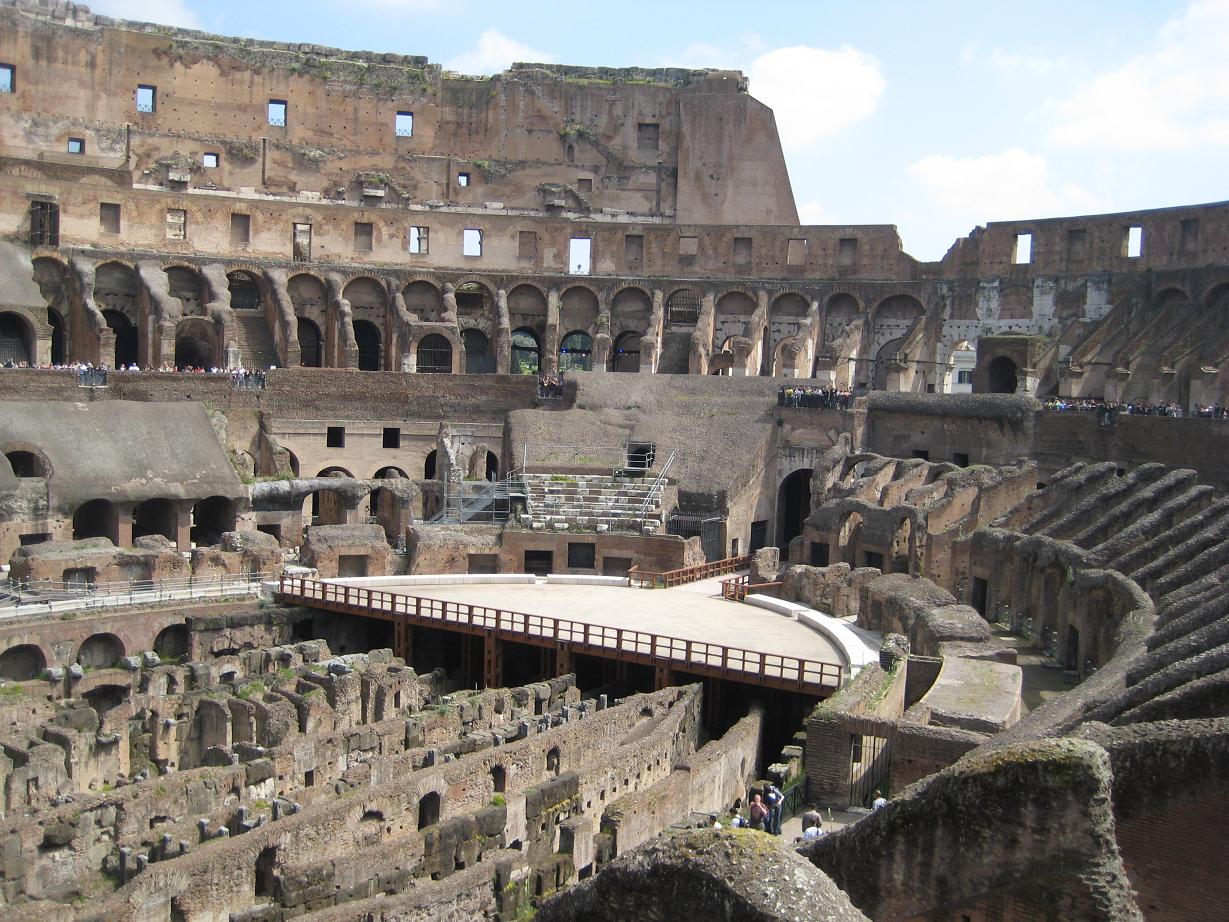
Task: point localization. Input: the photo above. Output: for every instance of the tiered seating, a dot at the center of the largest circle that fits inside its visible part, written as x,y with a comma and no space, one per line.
592,503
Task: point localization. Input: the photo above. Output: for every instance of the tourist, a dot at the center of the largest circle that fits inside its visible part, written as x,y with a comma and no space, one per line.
758,813
811,818
880,801
776,804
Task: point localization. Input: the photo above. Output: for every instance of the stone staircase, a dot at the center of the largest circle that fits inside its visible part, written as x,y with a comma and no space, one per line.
257,349
592,503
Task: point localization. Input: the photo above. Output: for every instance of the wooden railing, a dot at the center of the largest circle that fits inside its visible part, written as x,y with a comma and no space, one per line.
693,656
649,579
739,587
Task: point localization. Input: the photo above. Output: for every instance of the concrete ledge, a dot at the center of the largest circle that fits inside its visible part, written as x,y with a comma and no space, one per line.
857,647
441,579
568,579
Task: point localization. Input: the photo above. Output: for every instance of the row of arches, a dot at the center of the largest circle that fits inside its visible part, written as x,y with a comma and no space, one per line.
100,518
25,661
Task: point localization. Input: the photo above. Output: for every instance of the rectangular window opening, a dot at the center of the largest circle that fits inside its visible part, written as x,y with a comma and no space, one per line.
471,242
960,458
405,124
8,78
176,224
302,243
209,160
633,249
1134,242
44,224
147,98
1022,255
921,453
76,145
335,437
462,180
417,240
584,185
742,251
108,217
240,229
689,246
796,252
581,555
964,376
648,135
392,437
580,251
847,252
527,245
363,236
1077,244
277,113
1190,235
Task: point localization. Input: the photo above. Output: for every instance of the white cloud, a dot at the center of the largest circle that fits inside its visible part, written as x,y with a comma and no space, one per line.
495,52
1175,96
996,187
813,212
1012,62
816,93
164,12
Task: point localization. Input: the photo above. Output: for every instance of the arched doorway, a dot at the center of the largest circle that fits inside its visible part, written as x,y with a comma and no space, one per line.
367,335
211,517
793,506
16,340
626,353
884,359
492,466
428,467
96,519
1001,376
59,337
154,517
478,358
116,294
847,541
576,352
100,651
424,301
434,355
185,286
429,810
195,345
526,352
311,344
172,642
22,663
26,464
125,338
244,291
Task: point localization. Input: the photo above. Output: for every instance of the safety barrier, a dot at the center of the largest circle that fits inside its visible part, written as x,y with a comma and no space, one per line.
647,579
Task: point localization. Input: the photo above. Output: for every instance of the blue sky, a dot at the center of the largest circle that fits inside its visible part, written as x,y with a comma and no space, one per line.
934,116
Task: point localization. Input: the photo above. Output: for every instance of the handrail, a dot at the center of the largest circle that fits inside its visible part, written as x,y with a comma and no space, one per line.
739,587
657,484
666,579
700,656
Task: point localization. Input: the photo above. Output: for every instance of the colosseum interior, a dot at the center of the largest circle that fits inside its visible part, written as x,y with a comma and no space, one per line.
431,497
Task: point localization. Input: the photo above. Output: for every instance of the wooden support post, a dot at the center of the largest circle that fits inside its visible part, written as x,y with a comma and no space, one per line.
401,640
492,662
563,660
661,678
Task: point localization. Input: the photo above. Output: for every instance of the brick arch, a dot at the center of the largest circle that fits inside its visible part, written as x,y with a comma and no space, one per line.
9,447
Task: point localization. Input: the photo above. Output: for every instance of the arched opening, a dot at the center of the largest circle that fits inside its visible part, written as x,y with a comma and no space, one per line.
327,506
472,300
16,340
492,466
424,301
498,778
367,335
1001,375
683,307
96,519
172,642
578,309
105,698
847,541
185,287
59,337
478,358
154,517
125,338
901,541
100,651
210,518
195,344
26,464
626,353
790,306
265,882
526,352
552,761
428,468
22,663
390,473
576,352
841,310
429,810
793,506
434,355
885,358
311,344
244,291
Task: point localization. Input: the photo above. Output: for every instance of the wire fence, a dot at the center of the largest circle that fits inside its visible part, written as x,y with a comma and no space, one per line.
16,594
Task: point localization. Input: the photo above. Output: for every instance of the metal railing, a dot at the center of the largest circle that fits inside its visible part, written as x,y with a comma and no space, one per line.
739,587
648,579
696,656
18,593
658,485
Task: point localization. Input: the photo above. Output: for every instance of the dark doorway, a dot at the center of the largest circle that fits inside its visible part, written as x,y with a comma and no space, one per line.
59,338
981,590
429,810
434,355
539,563
125,338
96,519
759,536
311,346
367,336
793,506
1001,376
478,358
1072,659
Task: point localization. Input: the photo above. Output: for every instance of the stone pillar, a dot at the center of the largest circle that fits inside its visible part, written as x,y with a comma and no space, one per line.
183,526
503,333
123,527
549,363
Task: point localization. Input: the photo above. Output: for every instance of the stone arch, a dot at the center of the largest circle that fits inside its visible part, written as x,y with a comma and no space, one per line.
187,287
245,291
126,338
172,642
478,357
1001,375
17,340
27,461
429,809
196,344
848,538
736,303
429,465
100,651
683,307
390,472
793,505
370,351
578,310
576,352
902,546
425,300
51,276
308,295
433,355
526,352
630,310
311,344
155,516
790,305
625,355
884,358
899,308
96,518
211,517
117,289
22,662
527,307
367,295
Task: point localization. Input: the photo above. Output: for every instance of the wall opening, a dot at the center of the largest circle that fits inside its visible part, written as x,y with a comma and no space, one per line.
429,810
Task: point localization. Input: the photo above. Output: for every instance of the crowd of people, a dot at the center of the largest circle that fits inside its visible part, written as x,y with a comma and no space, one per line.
808,397
91,375
550,387
1129,408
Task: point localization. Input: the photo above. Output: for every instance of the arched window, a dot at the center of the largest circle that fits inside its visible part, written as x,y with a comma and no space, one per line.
1001,376
311,346
429,810
626,354
367,335
14,341
434,355
526,353
244,292
96,519
683,307
576,352
478,358
21,663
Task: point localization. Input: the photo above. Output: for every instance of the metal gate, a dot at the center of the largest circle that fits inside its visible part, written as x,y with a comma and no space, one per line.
712,538
870,763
